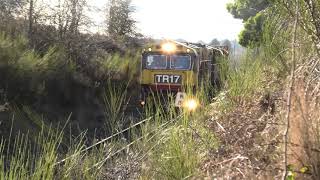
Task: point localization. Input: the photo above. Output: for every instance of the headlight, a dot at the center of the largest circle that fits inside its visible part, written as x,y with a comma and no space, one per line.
168,47
191,104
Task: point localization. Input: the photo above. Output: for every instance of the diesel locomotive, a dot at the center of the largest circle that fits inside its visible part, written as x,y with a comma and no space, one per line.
171,67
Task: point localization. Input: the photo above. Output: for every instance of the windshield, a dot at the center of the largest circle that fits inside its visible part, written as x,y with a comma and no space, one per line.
156,62
182,62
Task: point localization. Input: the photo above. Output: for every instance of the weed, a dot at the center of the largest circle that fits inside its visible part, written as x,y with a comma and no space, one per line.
115,98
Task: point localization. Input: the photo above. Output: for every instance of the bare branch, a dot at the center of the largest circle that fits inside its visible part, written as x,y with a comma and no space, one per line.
291,88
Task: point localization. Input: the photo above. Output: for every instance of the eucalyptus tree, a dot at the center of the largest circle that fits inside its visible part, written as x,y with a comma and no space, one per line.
120,23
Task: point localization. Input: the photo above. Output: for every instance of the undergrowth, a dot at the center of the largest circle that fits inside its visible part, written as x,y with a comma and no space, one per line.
26,156
173,144
242,79
177,151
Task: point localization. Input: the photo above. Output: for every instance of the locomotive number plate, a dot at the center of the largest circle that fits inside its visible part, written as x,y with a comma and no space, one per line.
163,78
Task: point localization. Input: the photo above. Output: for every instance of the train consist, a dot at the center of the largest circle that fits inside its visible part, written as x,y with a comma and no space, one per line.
171,68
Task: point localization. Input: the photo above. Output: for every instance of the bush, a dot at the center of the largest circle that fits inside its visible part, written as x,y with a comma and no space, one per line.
24,73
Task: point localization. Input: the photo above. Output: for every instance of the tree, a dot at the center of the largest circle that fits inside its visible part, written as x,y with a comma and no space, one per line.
245,9
201,42
227,43
251,12
69,16
215,42
9,9
120,23
31,12
252,35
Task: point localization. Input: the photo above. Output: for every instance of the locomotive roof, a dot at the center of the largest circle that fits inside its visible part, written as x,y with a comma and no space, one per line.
187,46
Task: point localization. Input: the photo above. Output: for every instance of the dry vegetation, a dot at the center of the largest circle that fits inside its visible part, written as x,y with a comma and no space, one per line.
252,132
237,135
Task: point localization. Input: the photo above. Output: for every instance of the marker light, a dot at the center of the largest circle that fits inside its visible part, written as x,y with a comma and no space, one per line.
150,49
191,104
169,47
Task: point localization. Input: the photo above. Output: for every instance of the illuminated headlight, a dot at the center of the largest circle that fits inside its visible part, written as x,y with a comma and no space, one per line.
191,104
169,47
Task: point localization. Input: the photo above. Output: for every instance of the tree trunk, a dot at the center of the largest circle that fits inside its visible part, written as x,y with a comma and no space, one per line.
30,30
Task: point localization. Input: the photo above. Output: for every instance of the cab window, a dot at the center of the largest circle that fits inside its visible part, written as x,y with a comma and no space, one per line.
180,62
156,62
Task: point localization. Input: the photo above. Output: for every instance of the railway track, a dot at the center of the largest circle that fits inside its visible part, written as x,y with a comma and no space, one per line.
149,136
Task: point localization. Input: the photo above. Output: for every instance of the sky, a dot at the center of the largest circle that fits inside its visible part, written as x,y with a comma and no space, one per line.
191,20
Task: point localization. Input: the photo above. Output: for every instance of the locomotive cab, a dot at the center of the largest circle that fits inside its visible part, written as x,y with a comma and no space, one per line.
171,69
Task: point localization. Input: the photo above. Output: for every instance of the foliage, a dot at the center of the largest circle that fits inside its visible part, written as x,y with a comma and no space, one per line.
277,29
119,19
122,65
277,46
227,43
251,11
176,150
245,9
309,19
178,158
253,31
215,42
10,7
28,70
35,157
115,98
241,80
69,17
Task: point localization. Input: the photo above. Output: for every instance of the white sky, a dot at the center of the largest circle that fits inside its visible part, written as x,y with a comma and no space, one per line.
192,20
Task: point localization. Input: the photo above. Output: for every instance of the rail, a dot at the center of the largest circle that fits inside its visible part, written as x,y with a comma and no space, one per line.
156,131
104,140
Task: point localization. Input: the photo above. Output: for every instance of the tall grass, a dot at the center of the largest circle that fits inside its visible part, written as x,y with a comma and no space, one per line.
242,79
25,161
29,157
115,100
177,150
176,158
